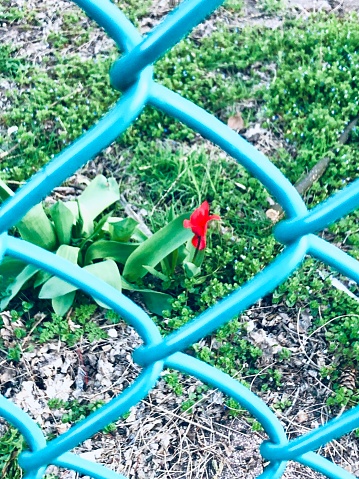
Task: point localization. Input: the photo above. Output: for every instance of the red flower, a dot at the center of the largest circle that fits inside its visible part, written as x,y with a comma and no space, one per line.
198,223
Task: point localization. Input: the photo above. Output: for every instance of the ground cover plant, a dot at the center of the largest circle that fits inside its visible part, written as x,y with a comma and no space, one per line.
301,93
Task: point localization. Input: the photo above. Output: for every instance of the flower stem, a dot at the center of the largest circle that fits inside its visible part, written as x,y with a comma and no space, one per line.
197,249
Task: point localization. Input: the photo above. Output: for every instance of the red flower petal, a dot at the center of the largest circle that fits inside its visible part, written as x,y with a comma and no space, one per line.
198,223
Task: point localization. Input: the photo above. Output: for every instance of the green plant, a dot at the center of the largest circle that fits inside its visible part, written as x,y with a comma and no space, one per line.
11,445
14,353
173,381
82,325
98,247
234,408
75,411
234,5
272,6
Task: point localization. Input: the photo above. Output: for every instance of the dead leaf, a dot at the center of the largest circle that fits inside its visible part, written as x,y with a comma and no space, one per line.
165,439
302,416
273,215
59,387
236,122
254,132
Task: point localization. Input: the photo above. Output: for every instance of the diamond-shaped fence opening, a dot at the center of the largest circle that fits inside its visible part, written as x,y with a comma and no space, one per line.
132,74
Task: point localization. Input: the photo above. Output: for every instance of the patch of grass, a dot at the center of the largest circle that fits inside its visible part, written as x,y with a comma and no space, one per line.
234,5
51,108
313,97
303,76
272,7
84,326
11,445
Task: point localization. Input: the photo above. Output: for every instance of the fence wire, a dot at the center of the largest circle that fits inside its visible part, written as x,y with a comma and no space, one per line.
132,74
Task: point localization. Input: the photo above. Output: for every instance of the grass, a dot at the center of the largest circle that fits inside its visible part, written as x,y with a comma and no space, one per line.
305,92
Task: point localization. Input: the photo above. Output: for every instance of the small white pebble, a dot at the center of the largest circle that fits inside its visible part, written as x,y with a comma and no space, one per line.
112,333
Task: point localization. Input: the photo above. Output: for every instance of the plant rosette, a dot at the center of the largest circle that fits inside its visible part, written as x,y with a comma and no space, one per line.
110,248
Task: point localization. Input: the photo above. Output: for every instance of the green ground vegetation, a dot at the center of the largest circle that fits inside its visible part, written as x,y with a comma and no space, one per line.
302,80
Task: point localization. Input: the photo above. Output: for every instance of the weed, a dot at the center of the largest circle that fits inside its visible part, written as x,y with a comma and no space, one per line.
11,445
272,7
59,327
75,411
234,5
173,381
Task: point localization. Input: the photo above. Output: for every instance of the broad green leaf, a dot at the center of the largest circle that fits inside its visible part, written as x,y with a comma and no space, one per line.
41,277
156,273
99,195
106,270
63,303
71,253
121,230
5,191
156,248
85,223
139,235
68,252
73,206
36,228
10,268
155,302
56,287
191,269
21,279
97,233
64,220
110,250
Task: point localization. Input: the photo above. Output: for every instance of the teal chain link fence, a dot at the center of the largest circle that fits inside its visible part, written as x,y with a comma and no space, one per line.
132,74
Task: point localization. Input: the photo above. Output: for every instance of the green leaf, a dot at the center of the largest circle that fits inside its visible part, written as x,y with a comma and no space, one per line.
156,273
27,273
63,303
156,248
71,253
5,191
155,302
110,250
191,269
85,224
98,232
99,195
68,252
10,268
55,287
106,270
41,277
121,230
64,220
36,228
139,235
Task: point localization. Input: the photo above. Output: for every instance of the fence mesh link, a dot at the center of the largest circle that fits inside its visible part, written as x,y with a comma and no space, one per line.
132,74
